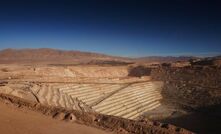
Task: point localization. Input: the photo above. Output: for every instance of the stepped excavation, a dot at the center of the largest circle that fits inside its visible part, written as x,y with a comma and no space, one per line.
112,97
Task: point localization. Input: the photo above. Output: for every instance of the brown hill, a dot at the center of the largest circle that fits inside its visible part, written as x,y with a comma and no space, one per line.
52,56
55,56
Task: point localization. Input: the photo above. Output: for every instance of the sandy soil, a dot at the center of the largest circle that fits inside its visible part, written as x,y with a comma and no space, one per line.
17,121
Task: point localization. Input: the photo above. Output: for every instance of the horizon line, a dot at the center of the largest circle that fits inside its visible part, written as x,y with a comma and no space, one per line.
184,54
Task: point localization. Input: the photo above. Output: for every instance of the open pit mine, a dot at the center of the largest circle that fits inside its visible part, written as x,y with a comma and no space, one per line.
177,97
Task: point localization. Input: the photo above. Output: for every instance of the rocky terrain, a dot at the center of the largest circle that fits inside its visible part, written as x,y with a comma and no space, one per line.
111,123
106,92
196,89
114,94
202,85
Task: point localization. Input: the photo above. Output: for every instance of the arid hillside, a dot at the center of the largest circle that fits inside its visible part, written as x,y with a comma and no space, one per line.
52,56
55,56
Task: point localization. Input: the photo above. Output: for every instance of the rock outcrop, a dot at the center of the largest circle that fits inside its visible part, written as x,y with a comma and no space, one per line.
190,87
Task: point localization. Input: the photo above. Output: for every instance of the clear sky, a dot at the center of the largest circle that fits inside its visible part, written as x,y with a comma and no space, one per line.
116,27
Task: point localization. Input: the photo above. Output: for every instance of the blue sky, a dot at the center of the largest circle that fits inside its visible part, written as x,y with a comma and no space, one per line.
124,28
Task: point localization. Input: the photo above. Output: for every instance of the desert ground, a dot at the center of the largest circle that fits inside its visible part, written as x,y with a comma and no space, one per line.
109,95
23,121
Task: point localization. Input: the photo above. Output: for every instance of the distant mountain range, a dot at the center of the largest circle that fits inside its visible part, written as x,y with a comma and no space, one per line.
54,56
162,59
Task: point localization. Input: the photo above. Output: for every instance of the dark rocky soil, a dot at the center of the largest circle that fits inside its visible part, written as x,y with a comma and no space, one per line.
196,89
191,87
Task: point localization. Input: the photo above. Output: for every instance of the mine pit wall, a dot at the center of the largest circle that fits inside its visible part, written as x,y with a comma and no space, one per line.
106,122
139,71
194,87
